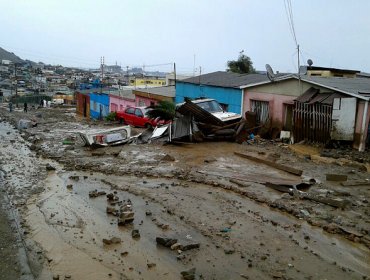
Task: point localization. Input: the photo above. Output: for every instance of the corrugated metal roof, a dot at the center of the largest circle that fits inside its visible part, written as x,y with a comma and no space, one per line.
226,79
200,115
167,91
350,85
307,95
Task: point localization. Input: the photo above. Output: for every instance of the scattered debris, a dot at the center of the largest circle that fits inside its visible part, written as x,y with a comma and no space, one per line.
135,233
49,167
166,242
95,193
272,164
336,177
113,240
106,137
356,183
188,274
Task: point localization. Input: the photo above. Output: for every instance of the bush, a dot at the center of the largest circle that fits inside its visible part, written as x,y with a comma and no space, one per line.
111,117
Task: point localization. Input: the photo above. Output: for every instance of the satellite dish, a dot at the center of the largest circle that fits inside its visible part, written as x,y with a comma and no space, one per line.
309,62
270,73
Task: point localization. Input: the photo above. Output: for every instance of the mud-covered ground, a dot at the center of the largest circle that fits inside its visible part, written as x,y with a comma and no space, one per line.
212,205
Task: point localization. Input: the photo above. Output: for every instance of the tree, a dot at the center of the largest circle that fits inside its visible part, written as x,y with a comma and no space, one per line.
164,110
243,65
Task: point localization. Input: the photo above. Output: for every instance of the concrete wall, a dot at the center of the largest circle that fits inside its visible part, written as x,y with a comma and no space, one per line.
230,96
97,102
119,104
144,101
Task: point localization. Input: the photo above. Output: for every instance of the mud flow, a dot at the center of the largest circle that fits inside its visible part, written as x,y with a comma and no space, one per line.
157,211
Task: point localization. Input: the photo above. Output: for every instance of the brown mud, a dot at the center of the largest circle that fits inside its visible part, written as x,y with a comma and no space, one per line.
244,230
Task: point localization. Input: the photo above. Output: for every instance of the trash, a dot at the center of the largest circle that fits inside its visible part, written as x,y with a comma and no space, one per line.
49,167
227,229
68,142
95,193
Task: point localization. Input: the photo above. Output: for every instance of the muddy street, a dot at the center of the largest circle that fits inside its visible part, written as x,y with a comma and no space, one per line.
155,211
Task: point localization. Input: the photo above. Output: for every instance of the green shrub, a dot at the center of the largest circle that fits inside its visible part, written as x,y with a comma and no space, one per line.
111,117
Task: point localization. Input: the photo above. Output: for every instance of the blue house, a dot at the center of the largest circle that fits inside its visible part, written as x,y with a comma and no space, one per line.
99,105
225,87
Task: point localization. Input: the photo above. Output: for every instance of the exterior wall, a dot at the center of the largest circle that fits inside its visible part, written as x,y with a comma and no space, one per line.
358,124
329,73
97,101
119,104
230,96
276,105
80,99
150,82
144,101
277,94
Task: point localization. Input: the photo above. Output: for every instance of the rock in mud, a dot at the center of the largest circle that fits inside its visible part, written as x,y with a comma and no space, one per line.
166,242
176,246
49,167
148,213
188,274
111,210
113,240
126,217
168,158
150,265
135,234
190,246
95,193
70,186
74,177
124,254
112,197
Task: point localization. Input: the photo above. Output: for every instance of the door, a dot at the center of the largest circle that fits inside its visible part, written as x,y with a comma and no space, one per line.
288,120
261,108
129,116
139,118
343,119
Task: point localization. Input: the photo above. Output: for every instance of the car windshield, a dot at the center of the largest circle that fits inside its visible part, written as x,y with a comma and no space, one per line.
211,106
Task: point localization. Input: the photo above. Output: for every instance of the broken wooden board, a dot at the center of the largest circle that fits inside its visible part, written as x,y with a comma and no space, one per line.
336,177
278,166
356,183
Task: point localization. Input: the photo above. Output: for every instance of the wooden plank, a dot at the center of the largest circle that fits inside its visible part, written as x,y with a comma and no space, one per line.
272,164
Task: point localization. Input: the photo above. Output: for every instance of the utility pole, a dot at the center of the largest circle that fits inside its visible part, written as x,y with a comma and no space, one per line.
174,70
194,66
299,74
102,73
128,77
200,72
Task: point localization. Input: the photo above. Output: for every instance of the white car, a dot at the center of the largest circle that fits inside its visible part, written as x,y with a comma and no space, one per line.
213,107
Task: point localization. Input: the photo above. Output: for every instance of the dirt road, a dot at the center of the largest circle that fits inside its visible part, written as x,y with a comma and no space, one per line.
222,229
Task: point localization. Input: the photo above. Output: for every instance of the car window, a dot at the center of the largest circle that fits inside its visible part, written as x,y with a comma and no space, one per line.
138,113
210,106
130,111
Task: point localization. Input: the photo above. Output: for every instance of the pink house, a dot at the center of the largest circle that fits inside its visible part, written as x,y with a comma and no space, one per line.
151,96
319,109
121,99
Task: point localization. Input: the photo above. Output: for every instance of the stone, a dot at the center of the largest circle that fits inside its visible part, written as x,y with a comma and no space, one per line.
135,233
70,186
49,167
148,213
188,274
229,251
74,177
190,246
56,277
124,254
126,217
168,158
166,242
113,240
176,246
151,265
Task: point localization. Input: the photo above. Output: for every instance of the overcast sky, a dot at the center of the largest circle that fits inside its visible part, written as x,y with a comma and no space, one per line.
333,33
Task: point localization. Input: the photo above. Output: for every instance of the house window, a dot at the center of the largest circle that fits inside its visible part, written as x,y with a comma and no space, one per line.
141,103
261,108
